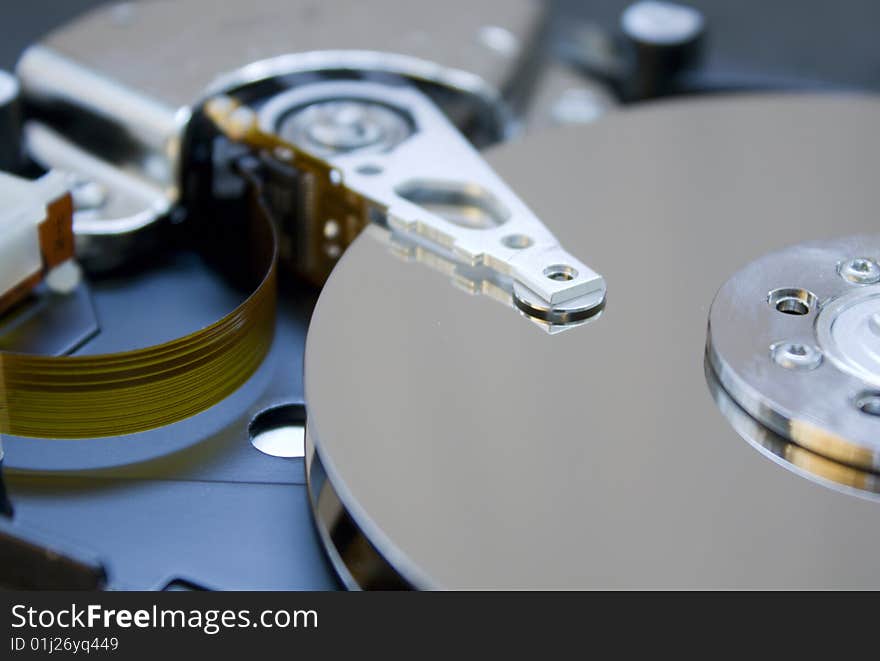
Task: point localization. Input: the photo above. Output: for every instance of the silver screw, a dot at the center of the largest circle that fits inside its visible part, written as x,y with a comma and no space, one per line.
661,23
345,125
796,356
339,126
860,271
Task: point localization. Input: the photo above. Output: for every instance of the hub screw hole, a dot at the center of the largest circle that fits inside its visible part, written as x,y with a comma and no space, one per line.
869,403
792,301
517,241
370,169
796,356
859,271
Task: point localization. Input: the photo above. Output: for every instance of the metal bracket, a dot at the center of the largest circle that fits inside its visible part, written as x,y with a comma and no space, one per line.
391,156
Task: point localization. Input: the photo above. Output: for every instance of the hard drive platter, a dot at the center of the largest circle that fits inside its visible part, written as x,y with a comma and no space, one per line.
453,443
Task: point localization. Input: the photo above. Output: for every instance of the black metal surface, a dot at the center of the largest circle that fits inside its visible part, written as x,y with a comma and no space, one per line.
804,43
10,123
835,42
29,561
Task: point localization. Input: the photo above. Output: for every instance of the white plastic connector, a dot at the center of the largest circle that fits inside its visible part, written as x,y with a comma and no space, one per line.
23,209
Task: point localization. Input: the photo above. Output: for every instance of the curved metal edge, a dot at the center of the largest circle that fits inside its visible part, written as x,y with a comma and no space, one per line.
778,448
358,564
805,434
167,127
407,66
801,431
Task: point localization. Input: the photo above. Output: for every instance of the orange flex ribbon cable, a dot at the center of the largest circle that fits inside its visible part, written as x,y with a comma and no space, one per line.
133,391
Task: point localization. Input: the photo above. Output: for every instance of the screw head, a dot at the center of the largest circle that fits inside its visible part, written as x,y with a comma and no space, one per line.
796,356
661,23
340,126
345,125
860,270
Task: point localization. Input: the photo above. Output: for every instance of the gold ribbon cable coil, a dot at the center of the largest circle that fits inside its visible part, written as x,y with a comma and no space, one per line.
133,391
